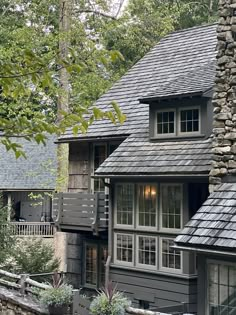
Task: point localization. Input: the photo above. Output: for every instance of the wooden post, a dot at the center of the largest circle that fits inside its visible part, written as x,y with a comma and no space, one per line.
75,302
60,209
96,215
23,283
9,206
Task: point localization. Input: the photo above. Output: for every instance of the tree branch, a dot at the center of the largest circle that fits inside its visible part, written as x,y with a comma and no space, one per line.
106,15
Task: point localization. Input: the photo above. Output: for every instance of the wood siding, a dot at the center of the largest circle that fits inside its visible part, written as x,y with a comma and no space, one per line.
79,174
157,289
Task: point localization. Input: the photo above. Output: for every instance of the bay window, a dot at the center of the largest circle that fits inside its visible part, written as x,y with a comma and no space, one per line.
144,213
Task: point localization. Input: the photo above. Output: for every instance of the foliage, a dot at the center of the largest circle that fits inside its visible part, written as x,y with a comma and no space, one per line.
59,294
33,256
109,301
7,241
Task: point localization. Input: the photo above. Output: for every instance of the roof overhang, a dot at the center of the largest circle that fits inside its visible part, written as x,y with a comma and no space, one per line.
207,250
206,94
142,175
91,139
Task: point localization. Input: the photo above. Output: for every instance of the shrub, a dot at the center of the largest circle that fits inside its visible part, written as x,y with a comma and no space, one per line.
109,301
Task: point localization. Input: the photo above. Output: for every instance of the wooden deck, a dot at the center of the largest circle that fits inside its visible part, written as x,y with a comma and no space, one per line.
80,211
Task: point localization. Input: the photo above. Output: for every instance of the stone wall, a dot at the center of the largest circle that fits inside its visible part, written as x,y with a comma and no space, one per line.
224,97
12,303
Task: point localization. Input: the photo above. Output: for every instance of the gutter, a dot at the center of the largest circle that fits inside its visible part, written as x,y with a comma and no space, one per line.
205,251
108,262
204,175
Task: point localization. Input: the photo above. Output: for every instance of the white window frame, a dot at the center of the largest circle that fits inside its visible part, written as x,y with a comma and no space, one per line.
165,135
179,121
141,227
120,262
166,269
124,226
171,230
144,266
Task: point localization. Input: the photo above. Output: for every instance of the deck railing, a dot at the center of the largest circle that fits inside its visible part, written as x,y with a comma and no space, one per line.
80,211
32,229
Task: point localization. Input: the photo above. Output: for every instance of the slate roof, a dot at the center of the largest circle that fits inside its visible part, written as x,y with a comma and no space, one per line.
214,224
35,172
138,156
178,55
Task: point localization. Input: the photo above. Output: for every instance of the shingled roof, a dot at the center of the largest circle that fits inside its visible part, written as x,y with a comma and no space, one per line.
180,55
37,172
138,156
214,224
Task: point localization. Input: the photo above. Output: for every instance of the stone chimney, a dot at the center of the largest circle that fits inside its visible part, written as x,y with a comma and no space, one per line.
224,98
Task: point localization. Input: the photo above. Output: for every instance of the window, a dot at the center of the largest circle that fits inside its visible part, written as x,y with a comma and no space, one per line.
221,289
124,204
95,259
147,251
147,205
98,158
179,122
170,258
171,206
124,248
189,120
165,122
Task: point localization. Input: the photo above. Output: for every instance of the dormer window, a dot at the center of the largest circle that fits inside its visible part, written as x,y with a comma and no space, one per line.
177,122
166,122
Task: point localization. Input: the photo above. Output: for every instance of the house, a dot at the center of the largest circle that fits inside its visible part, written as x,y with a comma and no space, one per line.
133,187
27,185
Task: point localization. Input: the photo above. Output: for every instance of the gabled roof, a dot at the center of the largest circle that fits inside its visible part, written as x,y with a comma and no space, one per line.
138,156
214,224
178,55
36,172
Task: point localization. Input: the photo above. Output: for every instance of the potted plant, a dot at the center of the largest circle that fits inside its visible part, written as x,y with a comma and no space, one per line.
109,301
58,297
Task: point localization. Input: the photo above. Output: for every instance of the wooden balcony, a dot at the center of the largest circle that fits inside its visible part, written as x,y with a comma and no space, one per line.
32,229
80,211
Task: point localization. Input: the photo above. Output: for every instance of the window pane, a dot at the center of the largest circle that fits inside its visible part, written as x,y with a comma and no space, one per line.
124,247
171,204
125,197
147,250
222,296
91,265
165,122
103,255
147,205
171,258
189,120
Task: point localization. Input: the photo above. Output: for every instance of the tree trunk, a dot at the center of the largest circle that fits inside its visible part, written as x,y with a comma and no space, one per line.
63,98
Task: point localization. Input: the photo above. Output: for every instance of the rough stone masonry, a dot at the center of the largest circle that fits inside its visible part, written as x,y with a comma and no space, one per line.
224,97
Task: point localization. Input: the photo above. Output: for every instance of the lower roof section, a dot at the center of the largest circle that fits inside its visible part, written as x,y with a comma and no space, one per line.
137,155
214,224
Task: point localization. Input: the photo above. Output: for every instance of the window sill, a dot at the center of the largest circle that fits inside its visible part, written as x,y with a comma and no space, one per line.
156,272
181,137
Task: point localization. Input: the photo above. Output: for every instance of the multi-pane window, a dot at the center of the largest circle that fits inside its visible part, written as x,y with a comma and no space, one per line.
170,258
91,264
147,251
189,120
221,289
95,259
171,206
147,205
124,204
165,122
124,248
99,158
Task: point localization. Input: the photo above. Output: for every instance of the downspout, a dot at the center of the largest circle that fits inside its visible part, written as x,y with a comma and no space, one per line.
108,262
9,206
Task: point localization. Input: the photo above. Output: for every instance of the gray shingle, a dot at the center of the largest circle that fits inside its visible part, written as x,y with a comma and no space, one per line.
38,171
217,221
177,56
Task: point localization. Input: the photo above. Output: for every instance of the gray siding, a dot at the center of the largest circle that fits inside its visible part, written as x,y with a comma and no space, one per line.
158,289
